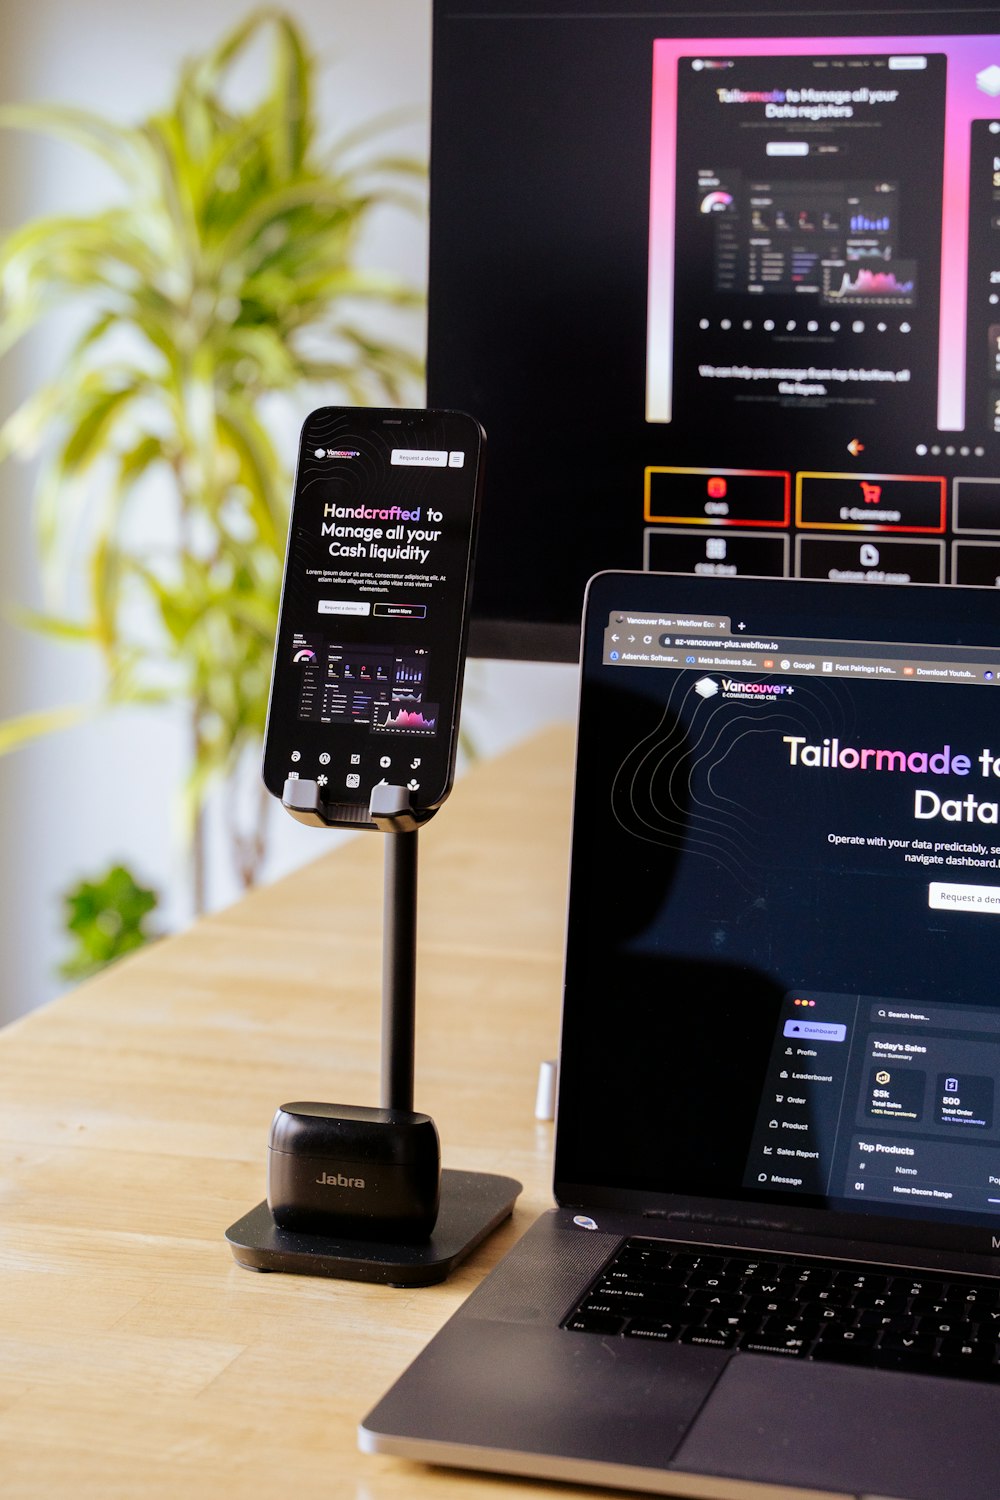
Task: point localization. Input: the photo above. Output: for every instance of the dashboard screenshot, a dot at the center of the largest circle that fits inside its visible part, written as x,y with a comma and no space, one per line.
724,291
825,254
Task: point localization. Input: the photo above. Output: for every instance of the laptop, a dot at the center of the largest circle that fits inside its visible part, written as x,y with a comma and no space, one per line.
774,1264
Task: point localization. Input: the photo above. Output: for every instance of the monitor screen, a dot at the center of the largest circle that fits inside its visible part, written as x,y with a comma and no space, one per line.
723,286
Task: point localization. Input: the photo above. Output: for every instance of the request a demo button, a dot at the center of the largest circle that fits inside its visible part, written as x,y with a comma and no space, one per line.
344,607
419,458
981,898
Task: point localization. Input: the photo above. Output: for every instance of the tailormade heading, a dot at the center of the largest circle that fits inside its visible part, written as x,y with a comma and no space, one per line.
831,754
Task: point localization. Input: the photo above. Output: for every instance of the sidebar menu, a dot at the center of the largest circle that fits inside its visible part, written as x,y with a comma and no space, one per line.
795,1134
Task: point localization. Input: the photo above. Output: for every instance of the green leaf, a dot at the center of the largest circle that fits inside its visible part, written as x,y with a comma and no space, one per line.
117,145
86,441
32,726
107,919
24,428
260,471
70,632
148,451
290,97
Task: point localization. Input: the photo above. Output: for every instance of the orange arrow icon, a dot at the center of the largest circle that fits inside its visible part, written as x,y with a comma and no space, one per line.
855,446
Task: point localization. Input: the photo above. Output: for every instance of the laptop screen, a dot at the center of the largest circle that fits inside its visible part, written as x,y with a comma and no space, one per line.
781,974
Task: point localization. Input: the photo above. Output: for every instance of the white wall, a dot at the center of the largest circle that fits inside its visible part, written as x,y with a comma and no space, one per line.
73,803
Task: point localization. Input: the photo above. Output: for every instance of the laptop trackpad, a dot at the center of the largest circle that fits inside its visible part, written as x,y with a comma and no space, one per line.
856,1432
497,1388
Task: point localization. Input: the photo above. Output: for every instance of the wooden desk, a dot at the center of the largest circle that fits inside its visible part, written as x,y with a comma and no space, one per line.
137,1360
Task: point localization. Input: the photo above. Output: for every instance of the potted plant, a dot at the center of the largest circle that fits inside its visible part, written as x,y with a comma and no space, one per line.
223,276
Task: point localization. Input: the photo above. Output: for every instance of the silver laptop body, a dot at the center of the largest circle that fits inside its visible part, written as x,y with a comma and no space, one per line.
780,1060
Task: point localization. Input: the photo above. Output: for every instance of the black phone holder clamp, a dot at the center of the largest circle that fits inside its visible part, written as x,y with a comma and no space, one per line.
356,1192
389,809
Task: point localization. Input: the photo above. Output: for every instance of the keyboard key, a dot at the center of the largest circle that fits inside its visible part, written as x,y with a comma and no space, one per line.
913,1343
832,1296
720,1301
599,1305
942,1327
888,1322
977,1300
621,1291
886,1301
848,1338
974,1351
642,1328
819,1313
743,1322
860,1281
711,1338
715,1280
788,1328
595,1323
771,1279
815,1278
766,1305
934,1291
757,1343
664,1275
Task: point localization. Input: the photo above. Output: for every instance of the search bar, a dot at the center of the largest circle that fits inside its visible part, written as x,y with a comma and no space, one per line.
978,1019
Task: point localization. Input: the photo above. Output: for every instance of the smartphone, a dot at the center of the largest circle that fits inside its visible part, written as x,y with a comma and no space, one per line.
370,648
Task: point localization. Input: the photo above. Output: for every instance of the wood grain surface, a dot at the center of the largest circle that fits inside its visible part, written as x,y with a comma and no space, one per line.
136,1358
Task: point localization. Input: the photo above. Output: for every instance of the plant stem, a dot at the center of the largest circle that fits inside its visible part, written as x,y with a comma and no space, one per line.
248,849
199,893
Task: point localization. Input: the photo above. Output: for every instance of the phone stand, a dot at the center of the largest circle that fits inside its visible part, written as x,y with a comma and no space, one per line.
473,1204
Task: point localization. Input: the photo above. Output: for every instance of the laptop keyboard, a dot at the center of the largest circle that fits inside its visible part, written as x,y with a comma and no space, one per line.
796,1309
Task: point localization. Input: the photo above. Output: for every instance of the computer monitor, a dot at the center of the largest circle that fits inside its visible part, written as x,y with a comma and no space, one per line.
723,286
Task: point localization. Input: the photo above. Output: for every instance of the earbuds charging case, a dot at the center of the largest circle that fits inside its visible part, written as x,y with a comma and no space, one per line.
347,1171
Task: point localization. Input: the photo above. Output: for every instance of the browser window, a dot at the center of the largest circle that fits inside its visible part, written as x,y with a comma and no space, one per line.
796,831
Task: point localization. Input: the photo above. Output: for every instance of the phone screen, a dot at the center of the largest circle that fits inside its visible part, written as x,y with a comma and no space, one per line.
370,649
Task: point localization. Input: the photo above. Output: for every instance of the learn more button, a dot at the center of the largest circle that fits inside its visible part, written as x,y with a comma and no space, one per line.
816,1031
980,898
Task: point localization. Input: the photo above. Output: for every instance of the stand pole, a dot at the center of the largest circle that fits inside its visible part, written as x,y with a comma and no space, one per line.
399,969
473,1204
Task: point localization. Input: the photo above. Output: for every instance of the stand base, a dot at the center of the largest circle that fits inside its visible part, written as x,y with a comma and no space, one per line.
473,1204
